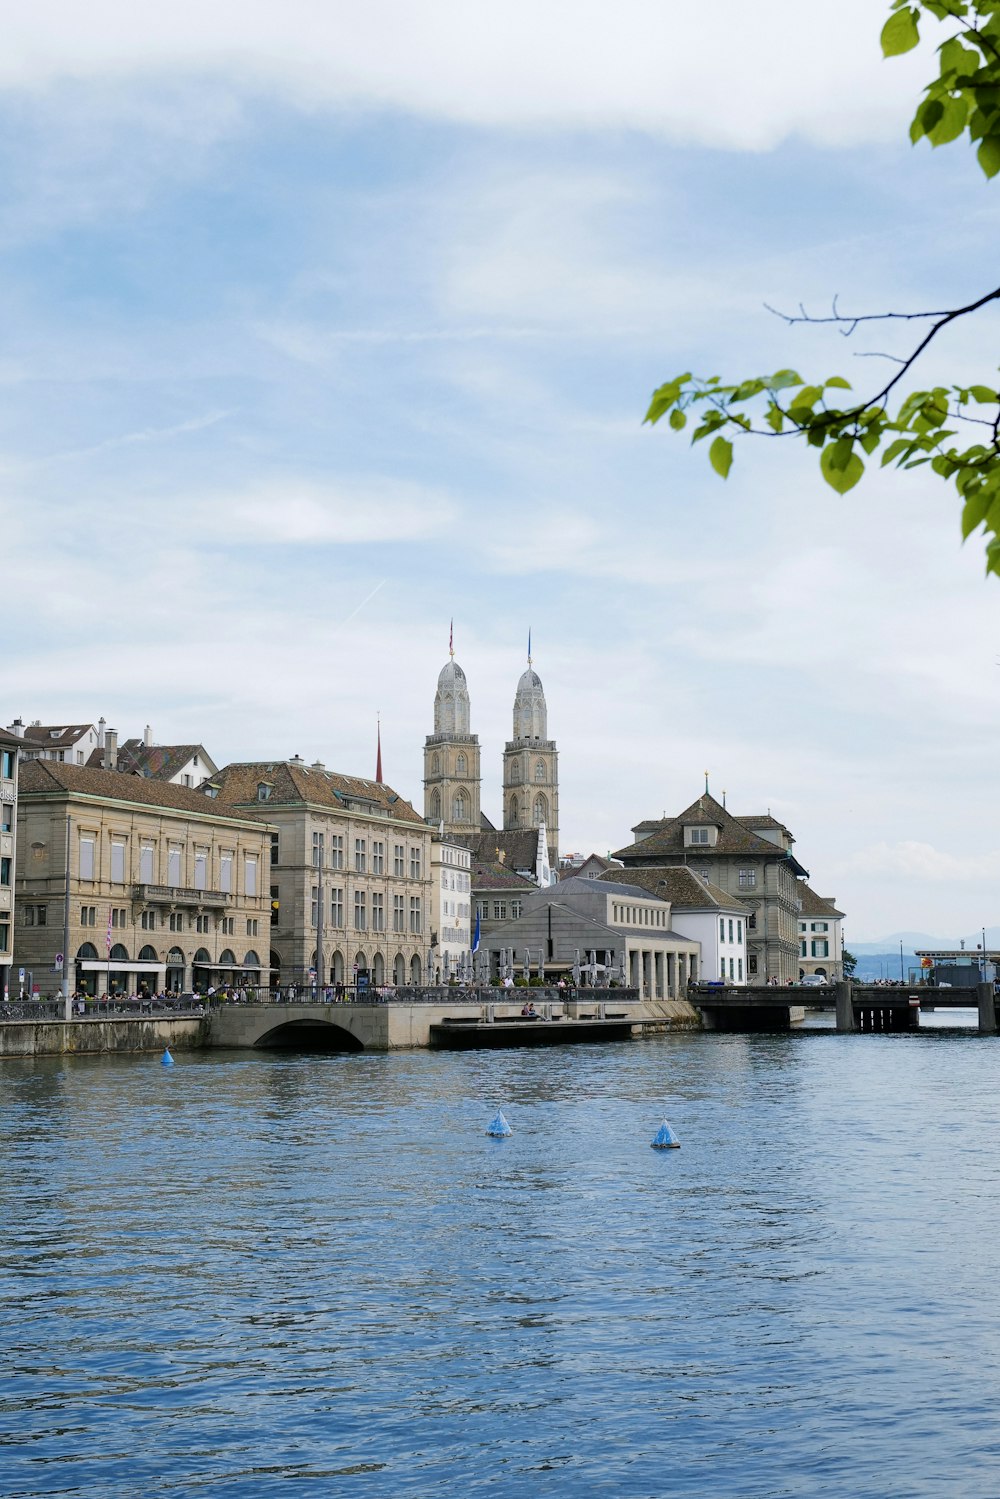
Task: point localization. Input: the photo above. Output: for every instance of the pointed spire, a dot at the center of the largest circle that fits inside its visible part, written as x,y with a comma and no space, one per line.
529,645
707,792
451,640
378,757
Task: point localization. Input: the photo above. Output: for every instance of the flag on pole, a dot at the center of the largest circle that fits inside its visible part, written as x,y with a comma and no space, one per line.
108,942
378,756
475,935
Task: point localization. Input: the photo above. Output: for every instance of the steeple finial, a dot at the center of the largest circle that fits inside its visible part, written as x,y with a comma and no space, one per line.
378,754
451,640
529,645
707,792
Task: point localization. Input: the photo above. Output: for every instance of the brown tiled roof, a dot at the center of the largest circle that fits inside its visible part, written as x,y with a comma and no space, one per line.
572,870
668,841
41,777
518,845
293,784
9,739
816,905
54,736
157,761
767,821
682,887
494,876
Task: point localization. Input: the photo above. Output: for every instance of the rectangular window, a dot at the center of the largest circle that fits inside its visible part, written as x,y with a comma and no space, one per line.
174,868
5,871
722,930
515,909
360,856
314,906
359,910
378,913
200,868
739,931
821,948
398,860
227,925
739,969
250,874
4,936
398,914
252,927
803,946
378,858
6,825
336,851
117,863
226,874
146,864
699,835
275,850
415,917
414,863
748,879
148,921
730,931
336,908
7,767
751,963
821,926
732,967
176,921
317,850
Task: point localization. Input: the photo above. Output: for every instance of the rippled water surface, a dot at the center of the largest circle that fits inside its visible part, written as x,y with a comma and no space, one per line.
284,1275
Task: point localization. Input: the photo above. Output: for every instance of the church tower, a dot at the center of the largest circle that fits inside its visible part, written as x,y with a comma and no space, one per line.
451,756
531,765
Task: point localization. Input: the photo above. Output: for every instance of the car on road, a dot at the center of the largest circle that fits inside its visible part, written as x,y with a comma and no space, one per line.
814,980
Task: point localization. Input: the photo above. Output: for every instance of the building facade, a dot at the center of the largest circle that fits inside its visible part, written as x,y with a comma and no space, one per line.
451,907
350,874
9,762
703,912
821,939
750,859
451,758
166,891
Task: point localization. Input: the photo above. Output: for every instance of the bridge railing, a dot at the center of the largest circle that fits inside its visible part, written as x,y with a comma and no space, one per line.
437,994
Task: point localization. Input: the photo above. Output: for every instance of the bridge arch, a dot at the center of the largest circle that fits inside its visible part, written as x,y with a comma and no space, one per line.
308,1034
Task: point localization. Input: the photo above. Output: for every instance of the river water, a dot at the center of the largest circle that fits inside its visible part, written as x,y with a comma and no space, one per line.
286,1275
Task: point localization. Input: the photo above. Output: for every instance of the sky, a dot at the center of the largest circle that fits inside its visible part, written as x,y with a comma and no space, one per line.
325,324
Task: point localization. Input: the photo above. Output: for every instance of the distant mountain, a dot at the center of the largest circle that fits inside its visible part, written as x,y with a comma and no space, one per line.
913,940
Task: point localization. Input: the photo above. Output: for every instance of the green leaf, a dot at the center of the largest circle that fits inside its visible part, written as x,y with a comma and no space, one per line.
840,479
988,155
953,120
974,513
900,34
678,420
720,456
984,395
838,382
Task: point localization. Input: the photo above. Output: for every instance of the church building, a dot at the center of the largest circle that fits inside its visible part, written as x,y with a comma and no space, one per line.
530,788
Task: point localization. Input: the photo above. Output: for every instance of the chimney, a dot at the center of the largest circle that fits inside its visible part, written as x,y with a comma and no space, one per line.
147,738
17,728
101,726
110,749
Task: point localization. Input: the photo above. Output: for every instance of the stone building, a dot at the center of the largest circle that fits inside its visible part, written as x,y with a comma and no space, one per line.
350,873
749,858
613,931
9,755
167,890
530,787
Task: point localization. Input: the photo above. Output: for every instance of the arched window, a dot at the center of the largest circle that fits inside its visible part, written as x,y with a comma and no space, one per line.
227,959
540,770
436,806
147,955
515,771
337,967
414,970
378,969
461,766
435,764
201,957
118,954
514,810
540,811
361,962
460,807
251,960
87,953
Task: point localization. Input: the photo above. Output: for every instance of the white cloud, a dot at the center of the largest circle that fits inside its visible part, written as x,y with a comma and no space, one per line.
724,72
921,861
350,512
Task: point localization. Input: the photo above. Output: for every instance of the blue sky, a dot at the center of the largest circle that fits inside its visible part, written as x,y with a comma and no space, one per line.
322,327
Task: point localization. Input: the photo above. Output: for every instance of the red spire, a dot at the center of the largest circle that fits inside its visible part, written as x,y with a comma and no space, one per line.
378,758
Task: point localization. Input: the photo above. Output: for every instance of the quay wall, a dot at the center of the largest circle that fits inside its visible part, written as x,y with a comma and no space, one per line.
52,1038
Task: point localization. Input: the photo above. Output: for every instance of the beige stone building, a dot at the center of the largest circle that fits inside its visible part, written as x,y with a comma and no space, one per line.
451,905
350,873
167,890
749,858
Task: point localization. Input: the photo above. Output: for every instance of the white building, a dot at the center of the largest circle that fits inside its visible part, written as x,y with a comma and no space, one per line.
821,937
703,912
451,905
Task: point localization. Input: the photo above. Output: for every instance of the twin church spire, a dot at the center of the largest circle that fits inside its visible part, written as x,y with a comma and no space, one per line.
452,760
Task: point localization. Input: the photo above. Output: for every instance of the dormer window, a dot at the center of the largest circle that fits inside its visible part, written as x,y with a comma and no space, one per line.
264,789
701,836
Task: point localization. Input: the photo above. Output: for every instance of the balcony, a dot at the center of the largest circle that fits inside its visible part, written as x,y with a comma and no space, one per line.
180,895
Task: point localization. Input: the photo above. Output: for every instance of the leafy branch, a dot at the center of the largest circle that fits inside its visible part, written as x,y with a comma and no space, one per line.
964,98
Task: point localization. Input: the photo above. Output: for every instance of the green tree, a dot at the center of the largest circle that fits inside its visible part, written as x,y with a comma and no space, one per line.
955,429
849,962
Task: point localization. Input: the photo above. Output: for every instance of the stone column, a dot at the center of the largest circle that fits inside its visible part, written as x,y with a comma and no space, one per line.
987,1010
658,972
845,1005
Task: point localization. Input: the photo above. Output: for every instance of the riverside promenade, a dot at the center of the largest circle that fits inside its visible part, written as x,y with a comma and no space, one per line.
409,1019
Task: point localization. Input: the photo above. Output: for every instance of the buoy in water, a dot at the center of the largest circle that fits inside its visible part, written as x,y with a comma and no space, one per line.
166,1060
665,1138
498,1126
